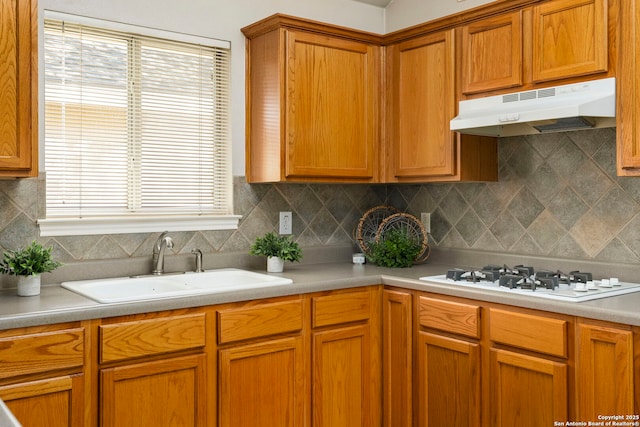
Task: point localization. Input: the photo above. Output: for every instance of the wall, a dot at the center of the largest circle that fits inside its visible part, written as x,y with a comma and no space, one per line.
407,13
557,195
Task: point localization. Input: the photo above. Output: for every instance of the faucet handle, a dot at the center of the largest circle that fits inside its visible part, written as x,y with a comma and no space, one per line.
198,254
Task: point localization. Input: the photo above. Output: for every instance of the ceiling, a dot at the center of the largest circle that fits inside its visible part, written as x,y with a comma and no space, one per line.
380,3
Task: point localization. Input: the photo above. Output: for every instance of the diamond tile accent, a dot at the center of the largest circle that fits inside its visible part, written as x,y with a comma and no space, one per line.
525,207
591,233
617,252
568,248
567,158
453,206
567,207
439,225
546,231
544,183
507,230
470,227
525,160
591,183
590,142
488,206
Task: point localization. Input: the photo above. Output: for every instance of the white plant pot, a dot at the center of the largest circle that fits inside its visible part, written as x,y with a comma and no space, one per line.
28,286
275,264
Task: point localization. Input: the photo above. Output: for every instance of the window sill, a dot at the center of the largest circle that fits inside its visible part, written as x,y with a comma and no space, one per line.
130,225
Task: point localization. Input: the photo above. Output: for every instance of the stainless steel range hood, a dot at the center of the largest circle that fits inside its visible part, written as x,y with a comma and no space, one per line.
575,106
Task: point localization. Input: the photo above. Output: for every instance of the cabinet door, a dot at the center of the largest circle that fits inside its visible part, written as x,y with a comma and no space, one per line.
55,402
422,94
449,382
17,97
332,92
570,38
343,385
528,391
397,359
628,90
604,372
263,384
159,393
492,53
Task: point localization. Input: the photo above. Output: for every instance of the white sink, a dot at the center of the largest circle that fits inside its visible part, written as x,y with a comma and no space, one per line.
232,278
123,289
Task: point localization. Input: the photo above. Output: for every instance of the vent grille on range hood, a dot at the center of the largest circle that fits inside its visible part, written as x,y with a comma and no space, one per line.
575,106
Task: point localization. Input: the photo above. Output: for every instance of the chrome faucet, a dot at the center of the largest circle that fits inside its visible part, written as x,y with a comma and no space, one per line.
198,254
162,243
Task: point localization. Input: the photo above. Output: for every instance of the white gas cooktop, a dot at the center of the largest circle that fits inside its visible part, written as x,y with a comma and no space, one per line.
564,292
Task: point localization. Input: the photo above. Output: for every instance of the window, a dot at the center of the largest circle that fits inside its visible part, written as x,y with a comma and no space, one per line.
136,130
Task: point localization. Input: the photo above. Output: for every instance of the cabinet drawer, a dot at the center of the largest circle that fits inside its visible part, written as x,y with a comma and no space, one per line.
450,316
41,352
257,321
341,308
537,333
127,340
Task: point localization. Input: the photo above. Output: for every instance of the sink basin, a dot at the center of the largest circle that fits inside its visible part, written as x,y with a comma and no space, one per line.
232,278
123,289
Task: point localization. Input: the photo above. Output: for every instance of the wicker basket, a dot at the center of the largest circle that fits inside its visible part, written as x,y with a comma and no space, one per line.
413,227
366,232
376,221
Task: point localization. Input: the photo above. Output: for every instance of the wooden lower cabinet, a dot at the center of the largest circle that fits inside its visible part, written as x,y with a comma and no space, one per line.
604,371
42,374
449,381
54,402
527,391
263,384
343,387
448,365
529,354
153,370
157,393
397,357
345,358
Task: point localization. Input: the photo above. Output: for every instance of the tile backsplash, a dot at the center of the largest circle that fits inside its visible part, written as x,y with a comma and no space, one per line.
558,195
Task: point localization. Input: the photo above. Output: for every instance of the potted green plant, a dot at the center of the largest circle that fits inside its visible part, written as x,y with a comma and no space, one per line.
394,249
28,263
277,249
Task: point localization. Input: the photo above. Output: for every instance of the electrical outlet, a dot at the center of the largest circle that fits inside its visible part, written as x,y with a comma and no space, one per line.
286,223
425,217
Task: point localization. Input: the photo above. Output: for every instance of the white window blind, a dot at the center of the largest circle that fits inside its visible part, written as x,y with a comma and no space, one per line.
134,125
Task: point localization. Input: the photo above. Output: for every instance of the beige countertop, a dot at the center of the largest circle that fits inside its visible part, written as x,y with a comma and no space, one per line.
56,304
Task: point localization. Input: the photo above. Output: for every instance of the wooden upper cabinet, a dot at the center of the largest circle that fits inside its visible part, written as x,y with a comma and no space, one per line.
18,88
570,38
420,147
422,94
628,90
492,50
313,102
